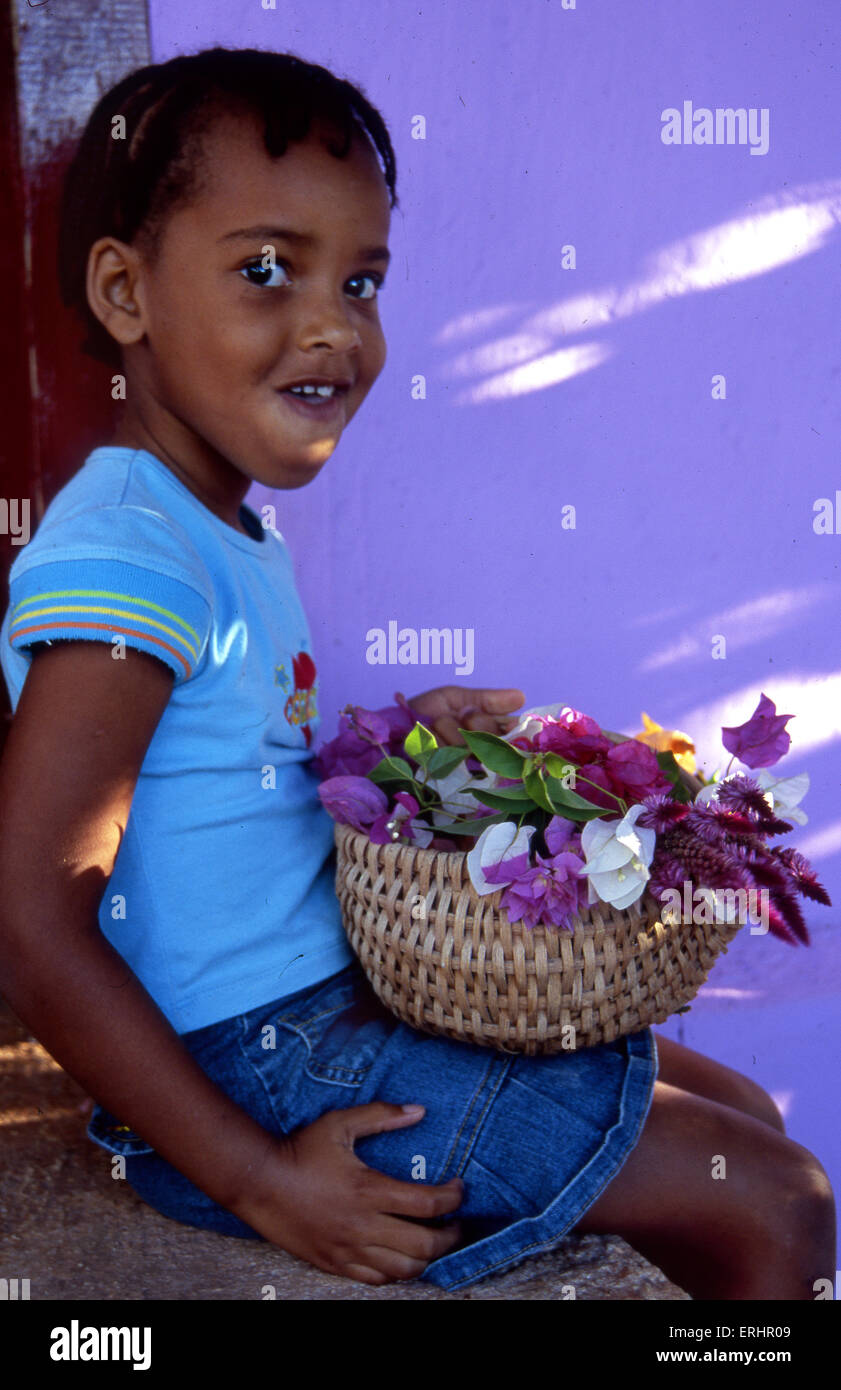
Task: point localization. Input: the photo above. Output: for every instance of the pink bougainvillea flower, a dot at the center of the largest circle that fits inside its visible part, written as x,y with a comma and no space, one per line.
593,783
561,835
762,740
634,771
559,729
572,735
353,800
401,819
552,892
354,750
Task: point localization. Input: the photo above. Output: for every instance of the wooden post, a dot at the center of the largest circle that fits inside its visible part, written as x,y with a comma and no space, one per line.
56,59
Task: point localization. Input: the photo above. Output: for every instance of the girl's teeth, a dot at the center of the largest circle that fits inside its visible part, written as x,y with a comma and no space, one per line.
324,391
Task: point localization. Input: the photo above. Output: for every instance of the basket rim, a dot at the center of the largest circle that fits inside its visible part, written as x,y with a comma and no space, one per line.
645,912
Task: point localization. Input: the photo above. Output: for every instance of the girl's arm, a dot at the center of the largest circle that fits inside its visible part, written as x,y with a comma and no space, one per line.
69,768
77,742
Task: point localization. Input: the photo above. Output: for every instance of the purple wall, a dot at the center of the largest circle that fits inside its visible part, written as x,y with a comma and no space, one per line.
593,386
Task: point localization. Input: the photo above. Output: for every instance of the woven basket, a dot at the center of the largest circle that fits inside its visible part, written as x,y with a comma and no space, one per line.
448,961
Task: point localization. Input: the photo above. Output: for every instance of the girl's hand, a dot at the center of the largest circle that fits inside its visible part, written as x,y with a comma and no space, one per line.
449,707
315,1199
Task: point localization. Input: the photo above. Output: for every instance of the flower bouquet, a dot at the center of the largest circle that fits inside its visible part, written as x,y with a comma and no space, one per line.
562,885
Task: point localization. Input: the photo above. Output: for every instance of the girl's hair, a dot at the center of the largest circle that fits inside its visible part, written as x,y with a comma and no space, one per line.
122,186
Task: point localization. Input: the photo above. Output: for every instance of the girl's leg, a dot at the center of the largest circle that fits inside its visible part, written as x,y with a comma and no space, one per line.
691,1071
725,1205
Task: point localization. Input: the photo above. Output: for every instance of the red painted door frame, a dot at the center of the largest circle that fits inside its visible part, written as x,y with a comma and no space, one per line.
56,402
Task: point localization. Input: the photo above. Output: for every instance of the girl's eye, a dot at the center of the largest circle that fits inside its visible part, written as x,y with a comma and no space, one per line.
265,277
376,281
259,274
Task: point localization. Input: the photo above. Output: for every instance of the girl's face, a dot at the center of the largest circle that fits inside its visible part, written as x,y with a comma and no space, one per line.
268,277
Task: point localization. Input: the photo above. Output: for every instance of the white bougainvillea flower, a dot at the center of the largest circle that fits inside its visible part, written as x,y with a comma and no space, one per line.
529,726
455,802
617,856
708,793
784,794
503,851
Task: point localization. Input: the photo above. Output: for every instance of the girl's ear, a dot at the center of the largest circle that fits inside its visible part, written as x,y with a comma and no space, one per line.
113,289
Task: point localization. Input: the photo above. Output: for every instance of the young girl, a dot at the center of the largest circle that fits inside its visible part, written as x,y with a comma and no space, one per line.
170,929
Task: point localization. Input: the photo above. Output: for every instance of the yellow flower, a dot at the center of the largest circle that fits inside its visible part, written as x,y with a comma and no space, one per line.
668,741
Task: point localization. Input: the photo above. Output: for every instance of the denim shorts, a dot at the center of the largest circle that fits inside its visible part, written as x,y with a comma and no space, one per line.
534,1139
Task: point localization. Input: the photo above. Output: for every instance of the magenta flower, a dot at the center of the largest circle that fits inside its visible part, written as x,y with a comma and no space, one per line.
603,793
552,892
561,835
354,750
634,771
401,818
353,800
762,740
572,735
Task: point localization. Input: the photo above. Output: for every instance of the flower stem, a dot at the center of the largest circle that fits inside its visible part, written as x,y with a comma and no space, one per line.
578,778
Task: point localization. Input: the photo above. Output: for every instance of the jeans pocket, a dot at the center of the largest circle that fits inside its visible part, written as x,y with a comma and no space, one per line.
107,1131
343,1027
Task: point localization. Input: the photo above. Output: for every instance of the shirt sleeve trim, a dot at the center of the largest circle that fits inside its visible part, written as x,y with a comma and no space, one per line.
21,623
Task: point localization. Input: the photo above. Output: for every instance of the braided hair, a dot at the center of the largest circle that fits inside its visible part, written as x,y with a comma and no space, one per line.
123,187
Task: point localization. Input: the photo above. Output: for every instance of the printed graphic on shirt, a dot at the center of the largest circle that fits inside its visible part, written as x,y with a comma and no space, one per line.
301,705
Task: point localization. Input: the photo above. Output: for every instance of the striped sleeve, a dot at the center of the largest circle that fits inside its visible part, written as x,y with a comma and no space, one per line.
100,599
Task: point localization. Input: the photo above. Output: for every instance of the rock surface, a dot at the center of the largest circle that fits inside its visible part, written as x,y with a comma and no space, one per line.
76,1233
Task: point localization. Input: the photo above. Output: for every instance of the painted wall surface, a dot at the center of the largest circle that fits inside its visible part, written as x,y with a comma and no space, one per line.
642,331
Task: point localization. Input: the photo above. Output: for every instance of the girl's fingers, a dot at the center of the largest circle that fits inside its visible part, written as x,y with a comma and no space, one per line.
373,1118
363,1274
425,1243
392,1264
494,701
446,728
423,1201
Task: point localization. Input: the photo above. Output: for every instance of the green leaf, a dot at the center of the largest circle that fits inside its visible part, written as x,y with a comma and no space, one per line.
445,760
669,766
390,769
578,813
505,798
420,743
536,788
494,752
468,827
672,770
567,800
558,767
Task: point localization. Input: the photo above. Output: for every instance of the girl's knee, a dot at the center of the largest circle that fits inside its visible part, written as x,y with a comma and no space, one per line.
813,1197
753,1100
797,1214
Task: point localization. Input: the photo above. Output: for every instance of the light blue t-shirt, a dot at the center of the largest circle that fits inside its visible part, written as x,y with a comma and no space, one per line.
222,896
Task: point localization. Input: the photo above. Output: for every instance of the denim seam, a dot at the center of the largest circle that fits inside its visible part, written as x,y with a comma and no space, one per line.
296,1021
354,1075
473,1099
548,1242
243,1022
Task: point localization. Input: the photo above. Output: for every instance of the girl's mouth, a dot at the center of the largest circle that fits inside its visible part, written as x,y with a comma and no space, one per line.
313,406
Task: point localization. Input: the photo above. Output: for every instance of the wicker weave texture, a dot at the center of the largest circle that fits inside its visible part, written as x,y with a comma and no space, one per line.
448,961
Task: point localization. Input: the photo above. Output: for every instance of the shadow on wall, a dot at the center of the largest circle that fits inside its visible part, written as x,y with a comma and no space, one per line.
780,228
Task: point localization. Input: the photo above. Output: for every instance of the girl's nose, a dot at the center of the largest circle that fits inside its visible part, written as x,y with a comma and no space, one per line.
326,321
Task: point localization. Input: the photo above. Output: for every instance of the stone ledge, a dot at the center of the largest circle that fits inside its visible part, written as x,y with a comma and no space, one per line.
76,1233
